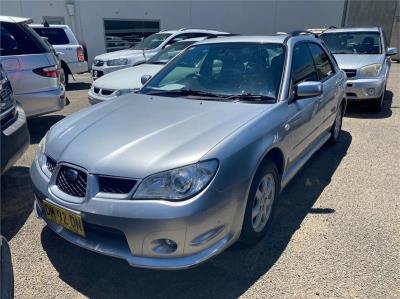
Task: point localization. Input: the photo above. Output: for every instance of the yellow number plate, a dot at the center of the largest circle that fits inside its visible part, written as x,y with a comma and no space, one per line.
66,219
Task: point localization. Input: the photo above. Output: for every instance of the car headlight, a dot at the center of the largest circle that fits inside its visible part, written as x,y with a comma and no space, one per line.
123,91
371,70
120,61
41,149
177,184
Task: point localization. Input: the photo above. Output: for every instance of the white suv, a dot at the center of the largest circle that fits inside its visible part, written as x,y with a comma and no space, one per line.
143,51
64,42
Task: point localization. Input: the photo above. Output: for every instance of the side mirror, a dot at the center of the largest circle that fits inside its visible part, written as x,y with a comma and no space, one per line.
145,78
308,89
391,51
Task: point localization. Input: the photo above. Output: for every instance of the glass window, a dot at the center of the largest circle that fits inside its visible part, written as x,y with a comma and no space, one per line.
55,36
152,41
124,34
303,68
353,42
179,38
225,69
321,61
19,40
167,54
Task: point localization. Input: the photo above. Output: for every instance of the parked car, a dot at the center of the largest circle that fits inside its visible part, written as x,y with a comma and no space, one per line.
6,271
109,62
363,54
69,51
173,175
127,80
31,67
14,130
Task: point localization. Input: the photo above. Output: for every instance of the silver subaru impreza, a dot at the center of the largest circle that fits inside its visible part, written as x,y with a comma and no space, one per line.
173,175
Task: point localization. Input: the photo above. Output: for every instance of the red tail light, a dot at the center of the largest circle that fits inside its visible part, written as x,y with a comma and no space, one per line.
49,71
80,54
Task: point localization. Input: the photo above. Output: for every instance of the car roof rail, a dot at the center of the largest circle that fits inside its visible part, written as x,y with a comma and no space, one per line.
221,35
301,32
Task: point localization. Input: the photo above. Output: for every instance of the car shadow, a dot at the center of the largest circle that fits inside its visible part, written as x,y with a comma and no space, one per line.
39,126
226,276
363,109
73,86
16,200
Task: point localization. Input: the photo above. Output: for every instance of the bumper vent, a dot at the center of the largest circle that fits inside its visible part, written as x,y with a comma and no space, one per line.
350,73
115,185
72,181
50,164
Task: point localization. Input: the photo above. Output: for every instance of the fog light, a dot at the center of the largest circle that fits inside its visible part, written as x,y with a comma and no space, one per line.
371,91
164,246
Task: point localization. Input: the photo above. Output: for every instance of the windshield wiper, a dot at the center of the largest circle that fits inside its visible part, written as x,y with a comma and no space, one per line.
252,97
156,62
187,92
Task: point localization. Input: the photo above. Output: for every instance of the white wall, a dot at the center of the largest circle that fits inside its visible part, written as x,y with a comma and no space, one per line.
244,17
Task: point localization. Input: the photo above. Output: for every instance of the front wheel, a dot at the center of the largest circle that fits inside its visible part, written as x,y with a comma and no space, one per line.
260,203
377,105
337,126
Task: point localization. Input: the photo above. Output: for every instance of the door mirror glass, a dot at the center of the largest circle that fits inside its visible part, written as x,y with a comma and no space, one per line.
391,51
145,78
308,89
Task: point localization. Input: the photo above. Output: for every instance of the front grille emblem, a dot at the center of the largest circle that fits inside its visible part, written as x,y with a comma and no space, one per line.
71,174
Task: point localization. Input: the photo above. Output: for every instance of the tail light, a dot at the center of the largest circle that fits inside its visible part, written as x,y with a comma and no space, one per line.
49,71
80,54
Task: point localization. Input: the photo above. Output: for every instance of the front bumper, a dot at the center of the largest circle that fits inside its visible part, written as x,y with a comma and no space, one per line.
14,139
202,226
365,89
95,98
43,102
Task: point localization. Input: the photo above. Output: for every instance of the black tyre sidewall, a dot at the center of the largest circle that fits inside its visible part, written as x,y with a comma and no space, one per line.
248,235
333,140
6,271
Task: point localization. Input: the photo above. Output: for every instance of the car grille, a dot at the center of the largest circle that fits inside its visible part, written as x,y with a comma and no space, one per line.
96,90
97,62
106,92
75,187
350,73
115,185
51,164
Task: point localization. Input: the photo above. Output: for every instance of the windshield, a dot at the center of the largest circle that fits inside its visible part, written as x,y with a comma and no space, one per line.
248,69
353,42
152,41
167,54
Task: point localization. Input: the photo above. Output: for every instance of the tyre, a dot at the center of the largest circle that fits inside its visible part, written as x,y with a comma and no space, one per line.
64,76
377,104
6,271
337,126
263,193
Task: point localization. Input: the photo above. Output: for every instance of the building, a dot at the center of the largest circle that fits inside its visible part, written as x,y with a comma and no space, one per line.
113,25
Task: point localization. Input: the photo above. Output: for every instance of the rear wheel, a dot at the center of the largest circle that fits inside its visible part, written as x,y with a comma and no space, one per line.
377,104
64,76
260,203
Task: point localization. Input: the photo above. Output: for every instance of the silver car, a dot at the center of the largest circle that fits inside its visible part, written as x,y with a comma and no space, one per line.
173,175
363,54
31,67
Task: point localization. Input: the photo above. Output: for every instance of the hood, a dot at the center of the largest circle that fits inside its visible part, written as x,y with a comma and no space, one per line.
128,78
355,61
138,135
120,54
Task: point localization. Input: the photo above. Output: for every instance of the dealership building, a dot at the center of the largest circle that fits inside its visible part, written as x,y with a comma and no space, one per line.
105,26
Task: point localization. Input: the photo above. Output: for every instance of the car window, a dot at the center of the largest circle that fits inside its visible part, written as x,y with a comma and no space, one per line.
152,41
178,38
167,54
303,68
55,36
20,40
353,42
224,68
321,61
199,34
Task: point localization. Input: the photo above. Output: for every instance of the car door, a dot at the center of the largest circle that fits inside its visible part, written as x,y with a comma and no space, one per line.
301,126
327,76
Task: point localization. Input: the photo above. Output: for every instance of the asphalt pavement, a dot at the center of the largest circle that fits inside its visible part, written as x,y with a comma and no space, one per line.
336,232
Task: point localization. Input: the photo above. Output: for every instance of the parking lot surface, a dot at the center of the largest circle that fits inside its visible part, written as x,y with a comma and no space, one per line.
336,232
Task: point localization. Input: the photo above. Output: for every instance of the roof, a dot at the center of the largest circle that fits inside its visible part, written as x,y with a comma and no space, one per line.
355,29
193,30
280,39
11,19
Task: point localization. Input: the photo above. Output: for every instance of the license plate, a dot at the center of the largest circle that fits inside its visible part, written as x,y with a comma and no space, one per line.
68,220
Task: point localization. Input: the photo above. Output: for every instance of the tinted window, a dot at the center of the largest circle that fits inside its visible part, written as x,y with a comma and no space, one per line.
224,68
55,36
303,65
179,38
321,60
167,54
152,41
198,34
20,40
353,42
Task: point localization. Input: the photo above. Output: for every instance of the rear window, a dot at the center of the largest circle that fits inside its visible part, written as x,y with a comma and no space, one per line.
55,36
19,39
